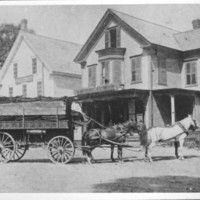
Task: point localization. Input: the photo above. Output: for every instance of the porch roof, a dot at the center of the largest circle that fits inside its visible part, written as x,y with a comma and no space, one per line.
112,95
173,91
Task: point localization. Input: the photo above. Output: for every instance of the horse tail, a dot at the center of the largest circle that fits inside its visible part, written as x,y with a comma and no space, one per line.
84,142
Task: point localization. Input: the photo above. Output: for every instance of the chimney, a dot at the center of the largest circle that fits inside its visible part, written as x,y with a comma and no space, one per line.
196,24
24,24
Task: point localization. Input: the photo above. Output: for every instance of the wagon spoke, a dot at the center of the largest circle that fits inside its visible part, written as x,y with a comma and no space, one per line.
61,158
55,143
65,142
4,141
54,154
67,154
53,146
2,138
67,145
60,141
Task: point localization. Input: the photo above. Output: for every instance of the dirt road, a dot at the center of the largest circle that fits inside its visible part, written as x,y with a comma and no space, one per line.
35,173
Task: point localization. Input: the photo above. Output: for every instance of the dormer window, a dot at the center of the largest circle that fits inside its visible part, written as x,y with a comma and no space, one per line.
112,37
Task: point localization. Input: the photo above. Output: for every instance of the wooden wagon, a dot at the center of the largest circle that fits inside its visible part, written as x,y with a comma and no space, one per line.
26,122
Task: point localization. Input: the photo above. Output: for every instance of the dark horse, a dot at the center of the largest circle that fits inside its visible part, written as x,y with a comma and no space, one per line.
115,135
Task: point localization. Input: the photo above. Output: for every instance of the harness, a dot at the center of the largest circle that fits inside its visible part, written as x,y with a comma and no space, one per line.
183,128
177,136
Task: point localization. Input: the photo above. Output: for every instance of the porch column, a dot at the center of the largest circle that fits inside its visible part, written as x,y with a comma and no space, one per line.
172,97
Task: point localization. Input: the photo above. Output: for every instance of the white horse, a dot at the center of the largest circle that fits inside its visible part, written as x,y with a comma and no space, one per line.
178,131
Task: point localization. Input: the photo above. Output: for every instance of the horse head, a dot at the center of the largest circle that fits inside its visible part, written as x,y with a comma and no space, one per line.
130,125
191,123
194,124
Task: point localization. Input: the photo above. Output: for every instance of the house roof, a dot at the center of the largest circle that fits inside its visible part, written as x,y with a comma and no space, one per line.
154,33
147,31
57,55
189,40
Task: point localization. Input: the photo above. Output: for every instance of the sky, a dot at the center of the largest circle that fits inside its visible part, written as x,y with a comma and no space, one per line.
76,22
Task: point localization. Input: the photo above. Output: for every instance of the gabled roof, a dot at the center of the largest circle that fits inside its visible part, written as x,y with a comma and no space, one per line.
154,33
189,40
147,32
57,55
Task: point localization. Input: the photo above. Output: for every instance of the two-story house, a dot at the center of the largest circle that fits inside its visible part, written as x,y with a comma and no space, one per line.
135,69
40,66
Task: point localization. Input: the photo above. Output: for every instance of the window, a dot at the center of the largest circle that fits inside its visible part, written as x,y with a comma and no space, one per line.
136,69
112,38
92,75
24,90
191,73
15,71
162,71
39,88
117,71
34,65
10,91
105,73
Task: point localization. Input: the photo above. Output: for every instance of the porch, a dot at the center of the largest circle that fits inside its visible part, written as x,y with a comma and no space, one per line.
171,105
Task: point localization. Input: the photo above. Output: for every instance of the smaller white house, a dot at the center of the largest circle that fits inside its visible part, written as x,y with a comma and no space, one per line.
40,66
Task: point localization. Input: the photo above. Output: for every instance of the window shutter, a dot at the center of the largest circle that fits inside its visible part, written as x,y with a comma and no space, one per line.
117,71
187,69
138,68
92,76
107,39
107,74
162,71
118,37
133,69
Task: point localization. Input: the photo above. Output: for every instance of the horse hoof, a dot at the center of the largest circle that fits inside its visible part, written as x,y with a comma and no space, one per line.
113,160
181,158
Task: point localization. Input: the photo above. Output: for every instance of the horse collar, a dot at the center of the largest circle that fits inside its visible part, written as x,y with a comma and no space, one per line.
183,128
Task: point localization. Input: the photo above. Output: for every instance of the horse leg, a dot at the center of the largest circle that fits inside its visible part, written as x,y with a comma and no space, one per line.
119,148
89,156
148,151
176,145
181,150
112,152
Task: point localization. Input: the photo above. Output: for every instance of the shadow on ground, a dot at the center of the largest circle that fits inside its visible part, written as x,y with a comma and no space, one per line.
151,184
82,160
159,158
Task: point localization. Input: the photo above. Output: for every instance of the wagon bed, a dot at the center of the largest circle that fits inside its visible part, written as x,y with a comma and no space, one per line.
50,117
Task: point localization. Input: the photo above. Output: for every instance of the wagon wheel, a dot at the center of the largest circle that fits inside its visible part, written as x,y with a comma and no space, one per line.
19,152
60,149
7,147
